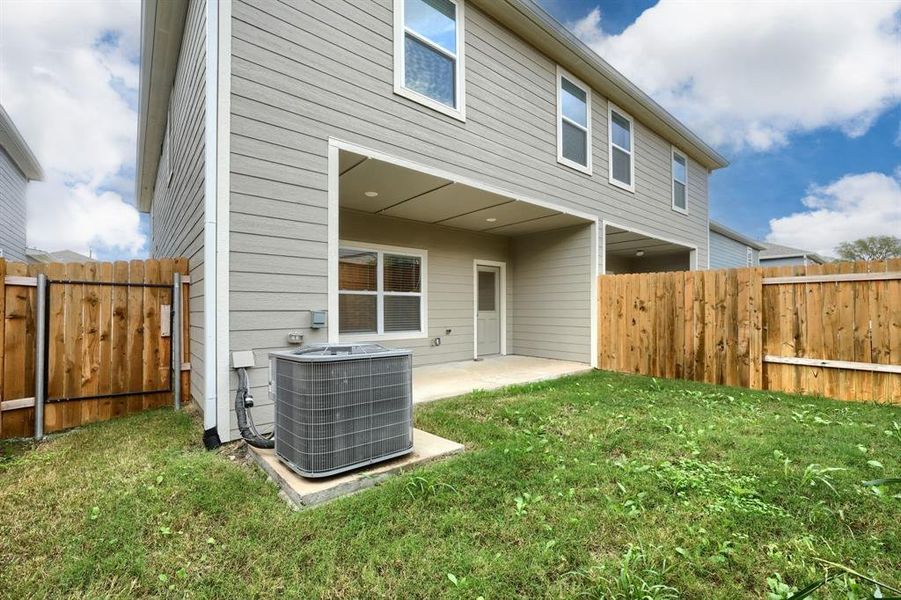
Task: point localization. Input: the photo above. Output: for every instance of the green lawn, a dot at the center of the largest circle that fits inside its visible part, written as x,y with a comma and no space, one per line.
603,486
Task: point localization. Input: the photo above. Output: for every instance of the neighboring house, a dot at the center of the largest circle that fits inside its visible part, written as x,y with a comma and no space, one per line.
730,249
33,255
448,176
18,166
774,255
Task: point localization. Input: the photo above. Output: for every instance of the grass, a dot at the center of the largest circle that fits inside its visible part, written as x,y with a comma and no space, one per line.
600,486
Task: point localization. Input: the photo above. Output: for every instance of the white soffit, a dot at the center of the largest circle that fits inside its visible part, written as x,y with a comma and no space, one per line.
445,203
392,183
626,243
409,194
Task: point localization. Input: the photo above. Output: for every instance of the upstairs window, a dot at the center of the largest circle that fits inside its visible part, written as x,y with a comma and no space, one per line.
680,182
428,53
622,163
573,122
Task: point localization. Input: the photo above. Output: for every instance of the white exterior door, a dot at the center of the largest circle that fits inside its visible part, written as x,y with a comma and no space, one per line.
488,311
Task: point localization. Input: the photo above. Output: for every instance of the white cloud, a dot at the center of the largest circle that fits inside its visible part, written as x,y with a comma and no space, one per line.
750,75
848,209
80,217
63,65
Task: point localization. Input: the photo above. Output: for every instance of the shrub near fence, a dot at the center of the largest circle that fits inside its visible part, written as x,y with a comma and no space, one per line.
108,343
832,330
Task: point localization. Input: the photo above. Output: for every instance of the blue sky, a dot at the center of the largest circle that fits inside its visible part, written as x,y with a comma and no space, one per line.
803,97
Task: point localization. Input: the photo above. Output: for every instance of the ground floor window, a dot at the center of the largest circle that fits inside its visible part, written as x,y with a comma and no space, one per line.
381,290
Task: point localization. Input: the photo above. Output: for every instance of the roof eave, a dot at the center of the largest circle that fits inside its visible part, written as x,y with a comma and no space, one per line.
162,25
534,24
14,144
734,235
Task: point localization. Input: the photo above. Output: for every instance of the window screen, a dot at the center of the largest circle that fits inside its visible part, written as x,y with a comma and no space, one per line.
357,270
357,313
402,273
620,149
574,129
430,49
680,179
402,313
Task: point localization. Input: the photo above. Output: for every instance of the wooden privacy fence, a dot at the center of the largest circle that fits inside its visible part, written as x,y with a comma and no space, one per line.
109,341
831,330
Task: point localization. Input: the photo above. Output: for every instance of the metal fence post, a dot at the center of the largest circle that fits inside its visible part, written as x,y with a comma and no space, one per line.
40,357
176,340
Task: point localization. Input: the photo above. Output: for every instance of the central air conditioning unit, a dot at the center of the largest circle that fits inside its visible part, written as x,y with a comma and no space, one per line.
340,407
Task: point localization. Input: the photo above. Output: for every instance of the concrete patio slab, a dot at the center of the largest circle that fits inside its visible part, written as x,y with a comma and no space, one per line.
433,382
310,492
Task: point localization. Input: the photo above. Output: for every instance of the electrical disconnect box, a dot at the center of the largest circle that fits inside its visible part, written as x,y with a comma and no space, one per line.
317,319
242,359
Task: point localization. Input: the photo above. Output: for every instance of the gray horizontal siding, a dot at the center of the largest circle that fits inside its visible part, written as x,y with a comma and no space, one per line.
552,303
303,72
726,253
177,210
331,66
12,209
264,325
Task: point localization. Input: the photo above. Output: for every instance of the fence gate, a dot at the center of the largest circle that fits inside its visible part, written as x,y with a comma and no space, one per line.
89,342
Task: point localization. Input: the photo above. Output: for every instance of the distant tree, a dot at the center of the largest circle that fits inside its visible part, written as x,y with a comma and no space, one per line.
875,247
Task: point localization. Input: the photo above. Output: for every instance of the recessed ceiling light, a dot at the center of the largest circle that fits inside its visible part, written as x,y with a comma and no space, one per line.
370,194
491,219
639,253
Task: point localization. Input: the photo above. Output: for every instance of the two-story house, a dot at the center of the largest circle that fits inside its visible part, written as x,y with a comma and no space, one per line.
18,166
448,176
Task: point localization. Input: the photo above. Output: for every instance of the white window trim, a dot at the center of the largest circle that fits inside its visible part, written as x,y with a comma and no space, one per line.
459,110
673,180
380,334
610,110
561,73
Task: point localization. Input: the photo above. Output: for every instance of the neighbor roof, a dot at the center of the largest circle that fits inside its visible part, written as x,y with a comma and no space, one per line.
163,23
60,256
734,235
14,144
772,251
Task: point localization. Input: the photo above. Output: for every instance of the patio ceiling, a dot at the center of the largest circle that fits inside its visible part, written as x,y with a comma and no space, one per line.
621,242
407,194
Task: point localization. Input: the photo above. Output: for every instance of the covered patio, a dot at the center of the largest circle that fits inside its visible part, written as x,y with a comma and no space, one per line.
456,270
632,251
433,382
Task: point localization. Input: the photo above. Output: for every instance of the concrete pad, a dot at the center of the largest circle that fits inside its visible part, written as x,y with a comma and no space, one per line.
310,492
433,382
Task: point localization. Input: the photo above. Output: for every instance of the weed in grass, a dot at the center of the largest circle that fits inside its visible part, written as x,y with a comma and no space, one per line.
722,488
815,474
524,502
421,487
778,589
636,577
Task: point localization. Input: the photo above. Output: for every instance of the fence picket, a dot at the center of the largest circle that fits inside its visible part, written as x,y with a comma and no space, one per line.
719,326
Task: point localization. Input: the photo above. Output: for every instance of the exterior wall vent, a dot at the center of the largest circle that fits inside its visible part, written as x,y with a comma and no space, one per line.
340,407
